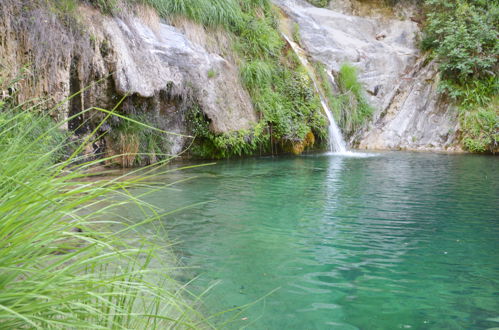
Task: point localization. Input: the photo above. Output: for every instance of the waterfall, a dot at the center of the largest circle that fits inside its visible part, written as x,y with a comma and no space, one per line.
336,142
330,75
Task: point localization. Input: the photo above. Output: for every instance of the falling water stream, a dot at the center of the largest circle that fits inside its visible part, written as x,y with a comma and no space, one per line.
336,141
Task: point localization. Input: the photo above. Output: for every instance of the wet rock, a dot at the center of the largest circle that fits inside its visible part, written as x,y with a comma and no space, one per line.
381,36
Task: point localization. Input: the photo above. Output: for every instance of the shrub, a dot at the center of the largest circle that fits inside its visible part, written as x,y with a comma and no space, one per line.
210,145
480,127
463,35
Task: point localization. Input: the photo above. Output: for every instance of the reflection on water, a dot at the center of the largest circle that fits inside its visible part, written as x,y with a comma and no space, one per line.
393,240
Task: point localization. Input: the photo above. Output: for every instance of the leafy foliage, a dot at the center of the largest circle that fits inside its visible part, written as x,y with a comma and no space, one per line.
280,89
211,145
319,3
463,36
289,104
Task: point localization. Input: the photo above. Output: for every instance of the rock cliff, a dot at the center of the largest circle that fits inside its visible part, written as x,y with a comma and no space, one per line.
410,114
154,63
166,68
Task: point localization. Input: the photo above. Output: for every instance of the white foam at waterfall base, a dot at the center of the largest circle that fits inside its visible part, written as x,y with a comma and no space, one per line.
335,139
351,154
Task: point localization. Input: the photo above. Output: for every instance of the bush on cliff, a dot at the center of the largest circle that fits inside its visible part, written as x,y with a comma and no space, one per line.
463,36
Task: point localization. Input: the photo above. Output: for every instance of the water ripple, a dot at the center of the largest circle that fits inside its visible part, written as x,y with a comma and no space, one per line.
357,241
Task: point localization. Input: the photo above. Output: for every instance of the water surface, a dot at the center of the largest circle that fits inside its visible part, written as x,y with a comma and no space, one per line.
397,240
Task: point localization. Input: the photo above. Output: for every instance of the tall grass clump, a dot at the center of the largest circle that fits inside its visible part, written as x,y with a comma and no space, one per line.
136,141
225,13
319,3
348,104
69,258
480,126
352,106
259,38
257,74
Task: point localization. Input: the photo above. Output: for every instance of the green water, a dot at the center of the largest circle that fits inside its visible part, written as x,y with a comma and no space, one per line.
397,240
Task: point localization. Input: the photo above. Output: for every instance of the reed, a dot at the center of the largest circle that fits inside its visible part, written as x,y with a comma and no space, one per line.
69,258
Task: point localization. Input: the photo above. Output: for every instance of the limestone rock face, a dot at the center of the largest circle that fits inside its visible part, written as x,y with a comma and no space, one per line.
160,70
409,112
417,117
147,61
382,50
403,9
